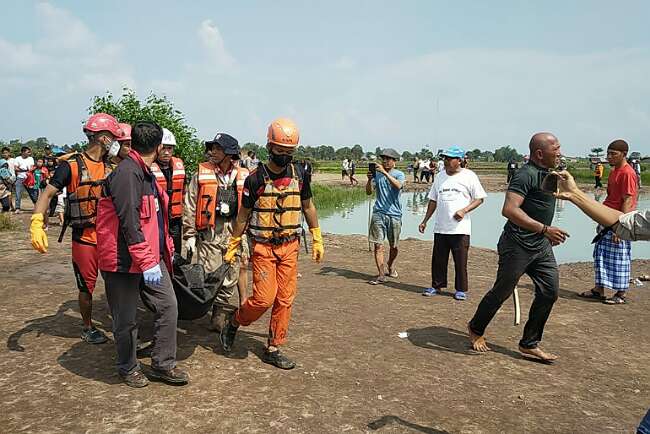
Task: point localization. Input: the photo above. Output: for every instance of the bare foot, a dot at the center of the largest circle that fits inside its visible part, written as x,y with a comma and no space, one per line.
539,354
478,342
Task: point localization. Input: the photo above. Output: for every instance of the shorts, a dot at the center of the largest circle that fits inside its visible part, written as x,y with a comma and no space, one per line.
60,208
85,265
382,227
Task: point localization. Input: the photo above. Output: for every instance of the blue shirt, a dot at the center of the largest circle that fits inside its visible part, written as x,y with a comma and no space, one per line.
387,202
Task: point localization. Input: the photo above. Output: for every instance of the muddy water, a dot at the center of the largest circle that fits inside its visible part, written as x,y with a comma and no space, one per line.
487,223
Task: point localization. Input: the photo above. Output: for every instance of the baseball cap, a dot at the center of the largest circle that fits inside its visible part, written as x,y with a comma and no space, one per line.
454,152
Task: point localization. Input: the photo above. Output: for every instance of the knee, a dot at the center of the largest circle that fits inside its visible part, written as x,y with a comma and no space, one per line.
379,248
261,301
167,307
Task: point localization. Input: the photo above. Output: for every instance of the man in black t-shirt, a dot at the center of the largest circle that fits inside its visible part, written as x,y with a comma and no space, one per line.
525,246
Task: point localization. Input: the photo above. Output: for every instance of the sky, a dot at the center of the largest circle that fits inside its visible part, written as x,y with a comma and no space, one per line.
379,73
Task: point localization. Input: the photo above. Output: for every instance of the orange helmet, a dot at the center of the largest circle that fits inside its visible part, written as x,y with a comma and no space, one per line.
283,132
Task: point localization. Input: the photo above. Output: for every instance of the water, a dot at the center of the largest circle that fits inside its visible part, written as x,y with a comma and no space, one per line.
487,224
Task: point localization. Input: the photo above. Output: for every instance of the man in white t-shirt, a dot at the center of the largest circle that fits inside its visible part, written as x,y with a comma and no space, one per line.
454,193
22,164
441,164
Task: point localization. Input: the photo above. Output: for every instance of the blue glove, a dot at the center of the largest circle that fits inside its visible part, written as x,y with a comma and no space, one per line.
153,276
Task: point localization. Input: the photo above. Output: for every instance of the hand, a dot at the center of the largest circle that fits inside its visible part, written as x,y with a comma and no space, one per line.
556,235
616,239
459,215
38,235
317,248
380,168
422,227
153,275
233,247
190,245
566,185
369,174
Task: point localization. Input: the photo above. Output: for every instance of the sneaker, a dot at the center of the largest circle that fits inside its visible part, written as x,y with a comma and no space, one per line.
172,376
227,336
135,379
460,296
428,292
278,359
93,336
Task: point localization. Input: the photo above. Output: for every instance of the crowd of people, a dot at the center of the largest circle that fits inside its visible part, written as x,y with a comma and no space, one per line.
131,208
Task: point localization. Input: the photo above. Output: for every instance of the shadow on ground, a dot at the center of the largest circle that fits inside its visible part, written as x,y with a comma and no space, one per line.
389,420
355,275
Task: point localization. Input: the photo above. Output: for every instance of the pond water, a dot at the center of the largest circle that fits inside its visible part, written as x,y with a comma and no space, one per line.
487,224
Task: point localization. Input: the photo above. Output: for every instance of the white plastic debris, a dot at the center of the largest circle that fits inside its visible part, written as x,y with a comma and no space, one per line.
403,335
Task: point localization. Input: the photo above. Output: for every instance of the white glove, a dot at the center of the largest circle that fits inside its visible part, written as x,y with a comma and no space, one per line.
190,244
153,276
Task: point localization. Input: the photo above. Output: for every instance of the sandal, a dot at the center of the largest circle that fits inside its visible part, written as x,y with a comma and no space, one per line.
616,299
378,281
592,294
393,274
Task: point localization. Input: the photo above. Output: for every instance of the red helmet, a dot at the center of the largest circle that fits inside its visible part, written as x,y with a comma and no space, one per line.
103,122
126,128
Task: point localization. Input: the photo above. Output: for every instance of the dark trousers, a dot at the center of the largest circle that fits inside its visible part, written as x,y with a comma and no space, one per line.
176,232
6,203
458,244
510,173
514,261
122,292
598,183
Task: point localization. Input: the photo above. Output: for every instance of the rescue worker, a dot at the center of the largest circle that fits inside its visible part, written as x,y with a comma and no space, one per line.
213,198
82,174
125,144
274,196
135,256
170,175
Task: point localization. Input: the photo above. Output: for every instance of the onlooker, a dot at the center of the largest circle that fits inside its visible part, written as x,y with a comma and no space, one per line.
345,165
425,174
386,221
60,205
512,168
36,181
49,159
636,165
526,246
416,169
352,167
441,164
135,254
598,174
7,181
612,256
22,164
455,192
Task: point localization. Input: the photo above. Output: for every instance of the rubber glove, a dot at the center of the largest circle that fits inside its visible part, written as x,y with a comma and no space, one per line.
190,244
233,247
317,248
153,276
39,238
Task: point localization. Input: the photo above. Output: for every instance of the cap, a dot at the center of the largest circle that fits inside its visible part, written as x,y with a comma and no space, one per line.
390,153
227,142
454,152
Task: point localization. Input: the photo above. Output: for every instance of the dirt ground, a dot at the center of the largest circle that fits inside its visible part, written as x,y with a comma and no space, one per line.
354,373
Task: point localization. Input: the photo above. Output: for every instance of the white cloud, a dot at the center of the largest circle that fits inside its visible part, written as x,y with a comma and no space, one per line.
214,46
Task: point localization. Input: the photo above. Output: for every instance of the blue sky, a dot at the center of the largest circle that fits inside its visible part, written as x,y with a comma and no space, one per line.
379,73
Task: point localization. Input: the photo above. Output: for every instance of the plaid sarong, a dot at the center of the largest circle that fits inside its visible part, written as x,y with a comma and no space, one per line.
612,262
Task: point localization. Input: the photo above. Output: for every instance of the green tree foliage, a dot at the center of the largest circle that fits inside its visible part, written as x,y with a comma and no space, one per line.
129,109
357,152
407,156
597,151
260,151
505,153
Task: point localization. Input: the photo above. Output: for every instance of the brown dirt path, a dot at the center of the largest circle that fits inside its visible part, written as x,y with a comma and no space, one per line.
354,373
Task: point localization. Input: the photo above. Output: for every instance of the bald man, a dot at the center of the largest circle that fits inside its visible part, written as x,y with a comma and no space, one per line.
526,246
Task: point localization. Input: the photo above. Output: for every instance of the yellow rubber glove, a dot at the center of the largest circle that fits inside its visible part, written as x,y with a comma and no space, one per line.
39,238
317,248
233,248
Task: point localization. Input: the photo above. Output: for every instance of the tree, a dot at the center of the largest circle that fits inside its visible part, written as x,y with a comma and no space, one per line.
597,151
506,153
342,153
424,154
407,156
260,151
129,109
357,152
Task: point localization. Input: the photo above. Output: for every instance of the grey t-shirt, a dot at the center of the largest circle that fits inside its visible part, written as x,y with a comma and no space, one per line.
539,206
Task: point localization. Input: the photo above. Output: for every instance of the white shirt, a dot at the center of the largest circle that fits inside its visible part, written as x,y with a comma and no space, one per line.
452,193
12,164
23,164
441,166
345,165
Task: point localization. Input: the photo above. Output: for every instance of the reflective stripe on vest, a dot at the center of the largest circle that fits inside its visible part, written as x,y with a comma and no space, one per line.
208,186
276,216
178,185
81,204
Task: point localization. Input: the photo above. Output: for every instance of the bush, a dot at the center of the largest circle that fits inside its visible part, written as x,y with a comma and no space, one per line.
6,223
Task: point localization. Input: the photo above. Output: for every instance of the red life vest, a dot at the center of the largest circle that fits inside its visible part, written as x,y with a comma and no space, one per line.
175,193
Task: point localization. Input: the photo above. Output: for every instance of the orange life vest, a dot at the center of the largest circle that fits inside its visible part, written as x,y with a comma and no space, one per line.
177,188
208,203
276,216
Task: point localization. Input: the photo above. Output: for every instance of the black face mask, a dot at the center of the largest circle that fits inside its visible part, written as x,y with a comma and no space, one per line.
281,160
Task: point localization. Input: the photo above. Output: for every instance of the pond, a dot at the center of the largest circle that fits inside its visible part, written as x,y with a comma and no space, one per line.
487,224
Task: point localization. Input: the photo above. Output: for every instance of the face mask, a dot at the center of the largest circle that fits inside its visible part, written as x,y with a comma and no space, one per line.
281,160
113,148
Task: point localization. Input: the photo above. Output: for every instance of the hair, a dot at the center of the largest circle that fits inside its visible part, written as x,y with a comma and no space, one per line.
146,136
251,153
6,149
25,148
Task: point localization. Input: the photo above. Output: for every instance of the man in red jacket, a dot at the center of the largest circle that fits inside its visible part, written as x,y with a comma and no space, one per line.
135,254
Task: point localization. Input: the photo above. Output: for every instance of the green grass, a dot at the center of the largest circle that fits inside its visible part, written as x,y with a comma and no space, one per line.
6,223
332,199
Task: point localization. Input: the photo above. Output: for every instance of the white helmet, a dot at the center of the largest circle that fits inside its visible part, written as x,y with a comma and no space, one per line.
168,138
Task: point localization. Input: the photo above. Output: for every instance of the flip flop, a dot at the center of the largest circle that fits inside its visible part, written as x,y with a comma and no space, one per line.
393,274
592,294
378,281
616,299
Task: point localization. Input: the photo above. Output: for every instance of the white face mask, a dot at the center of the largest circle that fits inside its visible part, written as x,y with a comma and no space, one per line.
113,148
